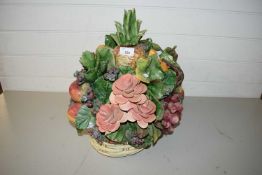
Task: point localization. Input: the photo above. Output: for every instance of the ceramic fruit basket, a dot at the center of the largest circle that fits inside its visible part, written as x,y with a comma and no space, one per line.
128,94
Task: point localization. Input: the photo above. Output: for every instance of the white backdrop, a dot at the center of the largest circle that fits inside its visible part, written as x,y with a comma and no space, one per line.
219,41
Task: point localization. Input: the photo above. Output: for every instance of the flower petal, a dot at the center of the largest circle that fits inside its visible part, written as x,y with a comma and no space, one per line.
126,106
119,99
112,98
135,99
142,124
140,88
129,116
115,90
149,118
128,95
143,99
124,82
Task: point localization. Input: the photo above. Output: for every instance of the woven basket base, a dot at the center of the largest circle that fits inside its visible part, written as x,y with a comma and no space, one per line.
113,150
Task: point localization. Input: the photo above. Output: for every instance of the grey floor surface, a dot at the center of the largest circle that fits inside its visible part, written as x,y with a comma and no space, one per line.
216,136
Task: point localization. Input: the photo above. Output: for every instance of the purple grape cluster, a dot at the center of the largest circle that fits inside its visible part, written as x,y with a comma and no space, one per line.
136,141
111,74
88,98
80,77
172,115
135,138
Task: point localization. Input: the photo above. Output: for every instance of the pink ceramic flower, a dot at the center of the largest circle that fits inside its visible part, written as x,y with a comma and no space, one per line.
128,94
144,113
127,91
109,117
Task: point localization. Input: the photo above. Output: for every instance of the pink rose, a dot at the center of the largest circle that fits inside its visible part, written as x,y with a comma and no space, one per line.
128,90
144,113
109,117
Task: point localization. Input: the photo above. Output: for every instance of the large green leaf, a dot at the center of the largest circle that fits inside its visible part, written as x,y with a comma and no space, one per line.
149,69
105,59
155,69
88,60
154,132
142,72
159,104
102,89
119,135
84,118
156,88
169,82
163,88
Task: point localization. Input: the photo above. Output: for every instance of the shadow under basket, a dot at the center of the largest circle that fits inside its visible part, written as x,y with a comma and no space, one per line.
113,150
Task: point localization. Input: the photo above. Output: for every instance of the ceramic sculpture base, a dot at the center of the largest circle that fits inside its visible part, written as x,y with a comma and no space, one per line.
113,150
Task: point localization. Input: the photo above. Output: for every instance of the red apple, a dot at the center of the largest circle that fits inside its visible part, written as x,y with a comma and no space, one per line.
76,91
72,111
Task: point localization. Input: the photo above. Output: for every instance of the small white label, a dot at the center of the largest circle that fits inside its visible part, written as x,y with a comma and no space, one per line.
128,51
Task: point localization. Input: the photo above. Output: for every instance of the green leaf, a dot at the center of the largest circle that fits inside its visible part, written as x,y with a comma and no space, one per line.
125,70
91,75
83,118
147,44
119,135
163,88
156,88
115,37
126,24
102,89
156,47
139,22
149,69
169,82
154,132
172,52
105,59
167,57
88,60
133,27
110,42
142,72
159,104
155,69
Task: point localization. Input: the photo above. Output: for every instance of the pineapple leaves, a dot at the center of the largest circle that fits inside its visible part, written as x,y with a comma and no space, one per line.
129,33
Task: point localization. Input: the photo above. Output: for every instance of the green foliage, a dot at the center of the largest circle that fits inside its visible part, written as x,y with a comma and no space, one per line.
97,64
128,33
125,70
167,57
105,59
163,88
159,104
148,44
102,89
109,41
84,118
148,70
154,133
88,60
172,52
119,135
